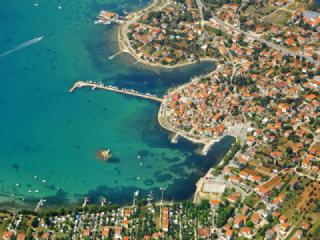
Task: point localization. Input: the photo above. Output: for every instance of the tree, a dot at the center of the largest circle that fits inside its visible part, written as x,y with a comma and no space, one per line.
35,222
249,224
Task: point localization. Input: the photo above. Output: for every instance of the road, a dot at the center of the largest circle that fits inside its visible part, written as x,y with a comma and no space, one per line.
201,7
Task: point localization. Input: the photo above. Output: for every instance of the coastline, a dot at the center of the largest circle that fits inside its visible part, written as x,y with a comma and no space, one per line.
125,46
237,131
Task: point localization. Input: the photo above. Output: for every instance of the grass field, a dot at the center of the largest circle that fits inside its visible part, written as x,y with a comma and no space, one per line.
279,18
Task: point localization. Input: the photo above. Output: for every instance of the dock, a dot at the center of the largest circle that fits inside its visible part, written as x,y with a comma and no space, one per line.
93,85
208,146
106,17
103,201
114,55
40,205
175,138
86,200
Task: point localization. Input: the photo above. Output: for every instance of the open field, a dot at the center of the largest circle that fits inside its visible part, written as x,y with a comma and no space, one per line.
260,11
279,18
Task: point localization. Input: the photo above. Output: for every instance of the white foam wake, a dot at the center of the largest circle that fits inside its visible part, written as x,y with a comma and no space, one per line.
21,46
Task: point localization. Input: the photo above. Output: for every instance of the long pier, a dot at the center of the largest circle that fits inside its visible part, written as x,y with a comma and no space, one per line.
94,85
114,55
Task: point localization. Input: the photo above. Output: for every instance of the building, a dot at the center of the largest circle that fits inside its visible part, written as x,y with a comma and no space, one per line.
312,18
165,219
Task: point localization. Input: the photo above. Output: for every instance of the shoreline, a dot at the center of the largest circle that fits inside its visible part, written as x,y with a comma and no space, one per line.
125,46
236,131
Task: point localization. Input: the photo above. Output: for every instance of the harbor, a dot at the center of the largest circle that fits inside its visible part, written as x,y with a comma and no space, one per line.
106,18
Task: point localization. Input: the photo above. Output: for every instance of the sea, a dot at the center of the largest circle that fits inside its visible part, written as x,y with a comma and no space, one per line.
49,137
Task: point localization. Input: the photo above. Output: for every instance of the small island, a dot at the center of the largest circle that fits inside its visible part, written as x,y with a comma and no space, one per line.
104,154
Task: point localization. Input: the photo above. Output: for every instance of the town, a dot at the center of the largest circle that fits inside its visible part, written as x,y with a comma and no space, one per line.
264,92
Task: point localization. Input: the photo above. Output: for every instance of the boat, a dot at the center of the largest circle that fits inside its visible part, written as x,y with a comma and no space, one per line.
104,154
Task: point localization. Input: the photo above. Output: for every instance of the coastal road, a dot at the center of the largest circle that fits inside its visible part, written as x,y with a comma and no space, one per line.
269,44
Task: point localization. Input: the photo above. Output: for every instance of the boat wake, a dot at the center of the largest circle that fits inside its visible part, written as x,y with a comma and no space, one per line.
21,46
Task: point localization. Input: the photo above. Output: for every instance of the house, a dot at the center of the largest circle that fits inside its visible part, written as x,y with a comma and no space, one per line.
245,210
239,221
158,235
312,18
204,233
279,199
86,233
8,235
117,232
246,232
234,197
305,226
306,163
165,219
283,219
298,235
284,228
271,234
234,179
256,218
105,232
214,203
21,236
244,174
229,234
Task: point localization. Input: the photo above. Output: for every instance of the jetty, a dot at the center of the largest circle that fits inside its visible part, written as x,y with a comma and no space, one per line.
208,146
103,201
86,200
175,138
99,85
114,55
106,17
40,205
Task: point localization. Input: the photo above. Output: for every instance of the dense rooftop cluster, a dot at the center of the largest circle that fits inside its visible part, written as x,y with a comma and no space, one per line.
171,35
285,23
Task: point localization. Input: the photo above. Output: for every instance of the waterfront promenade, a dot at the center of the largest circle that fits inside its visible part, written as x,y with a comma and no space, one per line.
94,85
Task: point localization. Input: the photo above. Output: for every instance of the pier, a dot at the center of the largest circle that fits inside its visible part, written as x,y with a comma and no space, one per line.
208,146
103,201
175,138
94,85
40,205
86,200
114,55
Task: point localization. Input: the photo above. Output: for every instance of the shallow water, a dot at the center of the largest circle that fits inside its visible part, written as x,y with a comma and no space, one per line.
49,137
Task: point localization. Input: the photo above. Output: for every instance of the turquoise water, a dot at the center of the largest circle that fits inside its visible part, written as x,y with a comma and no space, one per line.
49,137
